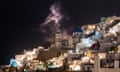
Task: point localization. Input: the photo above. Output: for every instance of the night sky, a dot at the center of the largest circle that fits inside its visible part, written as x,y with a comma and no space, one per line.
21,20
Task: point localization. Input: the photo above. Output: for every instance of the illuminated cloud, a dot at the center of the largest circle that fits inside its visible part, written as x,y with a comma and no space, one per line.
54,22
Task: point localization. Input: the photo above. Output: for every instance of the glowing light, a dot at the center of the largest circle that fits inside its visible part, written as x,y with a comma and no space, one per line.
87,42
27,56
75,66
85,59
13,63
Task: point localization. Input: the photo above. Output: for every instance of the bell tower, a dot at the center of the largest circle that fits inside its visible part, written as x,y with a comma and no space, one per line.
58,40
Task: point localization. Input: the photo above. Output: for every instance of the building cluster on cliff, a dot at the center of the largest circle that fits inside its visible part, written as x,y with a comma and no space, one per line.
76,49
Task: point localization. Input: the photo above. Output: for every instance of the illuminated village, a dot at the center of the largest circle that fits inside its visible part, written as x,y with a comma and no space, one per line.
90,48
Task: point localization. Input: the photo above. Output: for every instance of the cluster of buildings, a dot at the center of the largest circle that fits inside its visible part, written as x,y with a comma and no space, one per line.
90,48
87,35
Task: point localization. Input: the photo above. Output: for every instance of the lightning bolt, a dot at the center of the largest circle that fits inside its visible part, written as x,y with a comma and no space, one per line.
52,23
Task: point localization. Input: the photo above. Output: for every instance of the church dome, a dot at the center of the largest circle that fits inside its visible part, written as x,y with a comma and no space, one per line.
78,30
